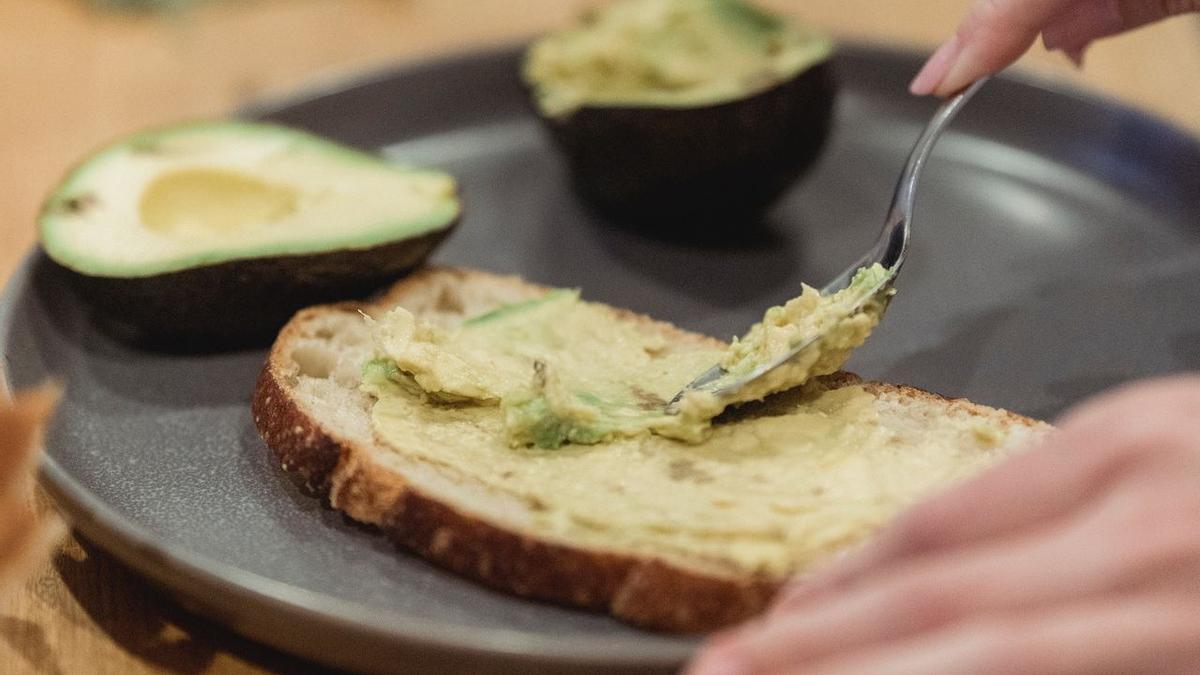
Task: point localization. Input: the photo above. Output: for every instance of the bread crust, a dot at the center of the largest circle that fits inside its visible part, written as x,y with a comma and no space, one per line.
300,445
643,590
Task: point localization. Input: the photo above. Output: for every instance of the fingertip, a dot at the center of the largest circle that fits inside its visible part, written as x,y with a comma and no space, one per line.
720,657
923,83
919,88
719,638
935,69
799,593
839,572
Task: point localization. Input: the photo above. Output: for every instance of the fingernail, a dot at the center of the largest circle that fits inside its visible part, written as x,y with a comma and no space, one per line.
719,658
935,69
958,76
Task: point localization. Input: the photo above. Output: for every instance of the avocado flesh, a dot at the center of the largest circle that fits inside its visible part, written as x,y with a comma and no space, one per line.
177,198
832,326
668,53
193,203
562,371
214,234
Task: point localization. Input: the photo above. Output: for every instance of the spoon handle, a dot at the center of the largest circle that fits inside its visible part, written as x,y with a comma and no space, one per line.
890,249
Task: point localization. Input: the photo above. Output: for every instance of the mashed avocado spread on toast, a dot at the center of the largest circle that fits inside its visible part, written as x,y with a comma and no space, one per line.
767,488
562,370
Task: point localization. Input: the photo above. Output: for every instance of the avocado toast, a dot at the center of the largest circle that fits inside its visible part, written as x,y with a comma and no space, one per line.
665,534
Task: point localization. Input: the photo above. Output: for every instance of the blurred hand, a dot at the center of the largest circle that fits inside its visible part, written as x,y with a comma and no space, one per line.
1079,556
996,33
24,537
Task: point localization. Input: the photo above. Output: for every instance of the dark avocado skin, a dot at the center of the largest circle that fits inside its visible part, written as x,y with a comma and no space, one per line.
242,303
694,171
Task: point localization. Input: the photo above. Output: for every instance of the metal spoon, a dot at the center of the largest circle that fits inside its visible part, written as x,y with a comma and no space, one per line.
889,250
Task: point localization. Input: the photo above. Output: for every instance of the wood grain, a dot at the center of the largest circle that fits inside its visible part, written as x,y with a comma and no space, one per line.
71,79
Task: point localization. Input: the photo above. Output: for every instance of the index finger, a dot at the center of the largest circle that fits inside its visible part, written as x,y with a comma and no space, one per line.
994,34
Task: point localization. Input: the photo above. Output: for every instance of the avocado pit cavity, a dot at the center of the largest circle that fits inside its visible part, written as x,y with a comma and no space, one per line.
199,201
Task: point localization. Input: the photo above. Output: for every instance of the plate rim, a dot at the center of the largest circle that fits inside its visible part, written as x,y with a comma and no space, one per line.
189,575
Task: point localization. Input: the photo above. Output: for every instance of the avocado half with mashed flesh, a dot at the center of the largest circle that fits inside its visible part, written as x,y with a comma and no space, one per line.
221,231
678,112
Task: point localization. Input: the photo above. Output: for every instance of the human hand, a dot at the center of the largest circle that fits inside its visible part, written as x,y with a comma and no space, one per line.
24,537
995,33
1081,555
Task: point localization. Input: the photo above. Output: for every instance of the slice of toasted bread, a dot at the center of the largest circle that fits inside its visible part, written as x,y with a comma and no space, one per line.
312,414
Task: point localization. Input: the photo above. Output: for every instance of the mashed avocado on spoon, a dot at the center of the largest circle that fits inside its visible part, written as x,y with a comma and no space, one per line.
562,371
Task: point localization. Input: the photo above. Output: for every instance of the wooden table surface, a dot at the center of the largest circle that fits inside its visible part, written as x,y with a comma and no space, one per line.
72,77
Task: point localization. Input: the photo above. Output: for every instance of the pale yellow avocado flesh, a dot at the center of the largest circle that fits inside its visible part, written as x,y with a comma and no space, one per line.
772,488
835,325
189,202
668,53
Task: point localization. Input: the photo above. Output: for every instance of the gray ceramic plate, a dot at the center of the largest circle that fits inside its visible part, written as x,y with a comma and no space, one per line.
1057,253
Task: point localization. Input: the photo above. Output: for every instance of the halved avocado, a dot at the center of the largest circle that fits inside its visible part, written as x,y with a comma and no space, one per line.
219,232
682,113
